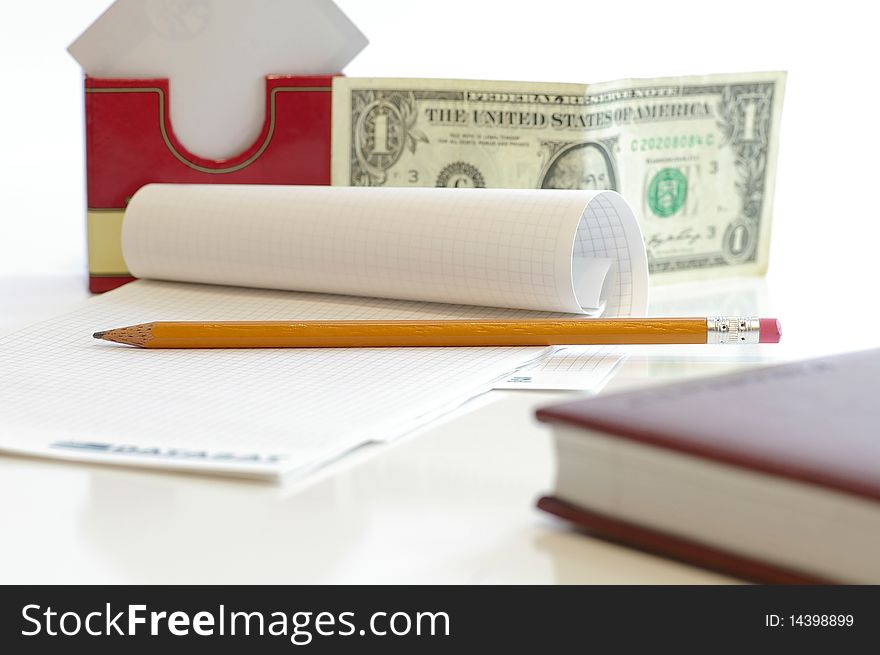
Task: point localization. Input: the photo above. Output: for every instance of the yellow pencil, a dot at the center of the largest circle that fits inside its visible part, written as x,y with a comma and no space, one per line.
407,334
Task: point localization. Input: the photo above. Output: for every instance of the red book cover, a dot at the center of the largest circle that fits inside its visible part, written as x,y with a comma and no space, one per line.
130,142
811,425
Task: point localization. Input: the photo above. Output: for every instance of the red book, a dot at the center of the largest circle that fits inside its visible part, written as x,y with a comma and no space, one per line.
772,475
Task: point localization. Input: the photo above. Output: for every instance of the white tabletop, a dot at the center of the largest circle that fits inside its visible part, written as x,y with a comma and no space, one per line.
454,503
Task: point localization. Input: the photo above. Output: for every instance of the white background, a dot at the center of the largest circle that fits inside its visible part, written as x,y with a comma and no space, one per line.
455,504
826,226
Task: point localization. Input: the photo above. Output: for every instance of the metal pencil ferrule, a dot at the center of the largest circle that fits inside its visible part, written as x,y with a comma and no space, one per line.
733,329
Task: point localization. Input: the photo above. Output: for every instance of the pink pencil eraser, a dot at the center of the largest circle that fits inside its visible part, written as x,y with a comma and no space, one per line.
771,330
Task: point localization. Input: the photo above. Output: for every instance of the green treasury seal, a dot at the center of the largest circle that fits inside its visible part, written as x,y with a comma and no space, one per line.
667,192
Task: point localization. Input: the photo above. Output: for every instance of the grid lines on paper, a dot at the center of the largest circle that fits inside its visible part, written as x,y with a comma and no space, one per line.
601,234
492,248
578,359
305,405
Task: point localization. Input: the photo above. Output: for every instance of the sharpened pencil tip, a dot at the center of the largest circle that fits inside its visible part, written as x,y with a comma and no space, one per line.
99,335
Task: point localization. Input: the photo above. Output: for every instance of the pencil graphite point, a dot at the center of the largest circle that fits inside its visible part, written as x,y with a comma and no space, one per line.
133,335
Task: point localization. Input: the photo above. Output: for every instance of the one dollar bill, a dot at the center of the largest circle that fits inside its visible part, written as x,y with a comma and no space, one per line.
694,156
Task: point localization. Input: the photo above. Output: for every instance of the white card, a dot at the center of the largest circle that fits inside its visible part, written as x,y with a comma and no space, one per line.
216,54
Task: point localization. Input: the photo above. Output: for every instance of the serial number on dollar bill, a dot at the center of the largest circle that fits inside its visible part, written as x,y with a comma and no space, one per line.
673,142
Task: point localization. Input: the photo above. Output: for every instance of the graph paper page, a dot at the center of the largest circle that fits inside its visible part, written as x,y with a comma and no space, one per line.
545,250
260,412
264,254
571,368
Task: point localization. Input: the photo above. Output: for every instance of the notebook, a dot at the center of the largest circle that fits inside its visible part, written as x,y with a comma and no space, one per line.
310,253
770,474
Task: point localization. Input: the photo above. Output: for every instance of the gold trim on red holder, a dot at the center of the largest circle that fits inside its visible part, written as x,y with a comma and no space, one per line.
178,155
104,228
